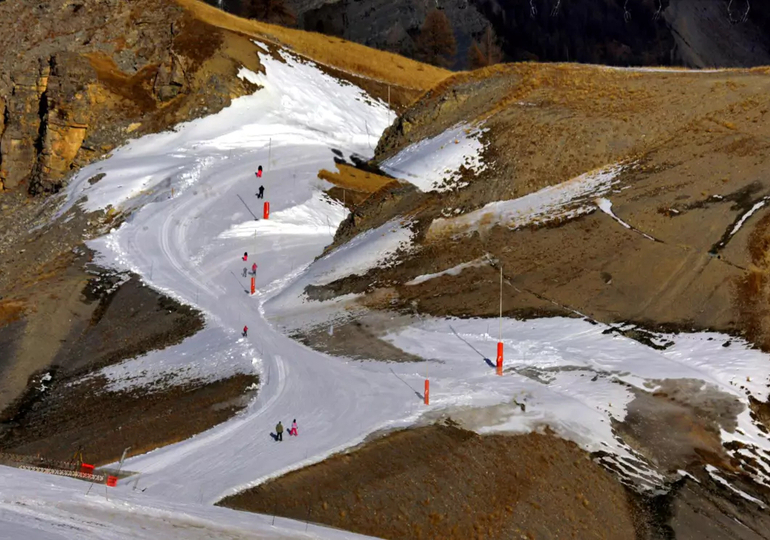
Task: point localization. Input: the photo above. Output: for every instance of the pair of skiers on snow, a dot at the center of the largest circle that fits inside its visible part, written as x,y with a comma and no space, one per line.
279,430
261,193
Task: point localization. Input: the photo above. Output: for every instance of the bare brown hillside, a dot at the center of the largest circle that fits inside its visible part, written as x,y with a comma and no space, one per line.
693,147
441,482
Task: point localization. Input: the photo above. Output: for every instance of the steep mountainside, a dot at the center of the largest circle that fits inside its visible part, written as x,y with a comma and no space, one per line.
694,33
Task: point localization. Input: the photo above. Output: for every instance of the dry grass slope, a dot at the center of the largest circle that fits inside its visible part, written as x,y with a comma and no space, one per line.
331,51
353,179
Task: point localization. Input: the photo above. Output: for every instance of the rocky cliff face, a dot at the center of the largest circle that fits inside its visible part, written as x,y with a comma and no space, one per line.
81,77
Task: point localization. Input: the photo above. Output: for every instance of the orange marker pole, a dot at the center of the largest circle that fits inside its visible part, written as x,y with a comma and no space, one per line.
253,285
266,212
427,392
500,338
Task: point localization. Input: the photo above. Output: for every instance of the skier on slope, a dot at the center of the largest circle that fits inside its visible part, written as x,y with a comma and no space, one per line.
245,331
245,256
259,172
279,431
254,269
261,192
293,430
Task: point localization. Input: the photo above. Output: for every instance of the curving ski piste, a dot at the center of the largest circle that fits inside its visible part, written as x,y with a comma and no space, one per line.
189,195
190,244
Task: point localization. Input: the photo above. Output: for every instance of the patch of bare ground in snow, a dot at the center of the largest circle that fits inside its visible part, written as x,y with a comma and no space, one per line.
678,425
358,336
444,482
71,415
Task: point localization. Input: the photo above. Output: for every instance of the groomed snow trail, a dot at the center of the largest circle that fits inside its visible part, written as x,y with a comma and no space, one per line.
190,244
36,506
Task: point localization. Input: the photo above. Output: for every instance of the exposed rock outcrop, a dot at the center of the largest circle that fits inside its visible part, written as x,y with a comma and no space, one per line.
19,145
67,103
170,80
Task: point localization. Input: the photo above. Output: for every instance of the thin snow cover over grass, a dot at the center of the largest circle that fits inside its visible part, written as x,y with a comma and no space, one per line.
374,248
36,506
434,164
572,376
568,199
454,271
713,473
661,69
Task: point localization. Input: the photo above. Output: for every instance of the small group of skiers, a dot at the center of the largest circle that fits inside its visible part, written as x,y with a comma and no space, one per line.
260,195
279,430
279,427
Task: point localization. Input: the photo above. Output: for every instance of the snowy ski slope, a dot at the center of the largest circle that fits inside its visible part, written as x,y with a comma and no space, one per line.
191,197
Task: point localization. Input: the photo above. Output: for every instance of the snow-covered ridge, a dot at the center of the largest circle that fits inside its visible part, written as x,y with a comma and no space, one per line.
434,164
566,200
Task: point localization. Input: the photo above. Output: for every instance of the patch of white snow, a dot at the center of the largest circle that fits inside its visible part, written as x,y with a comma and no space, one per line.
434,164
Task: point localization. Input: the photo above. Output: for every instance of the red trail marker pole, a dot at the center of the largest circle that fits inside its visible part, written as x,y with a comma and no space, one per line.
266,211
253,285
500,335
427,392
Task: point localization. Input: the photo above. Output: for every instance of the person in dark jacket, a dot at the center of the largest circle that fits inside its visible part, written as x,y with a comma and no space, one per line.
279,432
261,192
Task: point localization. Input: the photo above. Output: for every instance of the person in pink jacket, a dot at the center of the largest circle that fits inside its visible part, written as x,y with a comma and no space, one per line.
293,430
